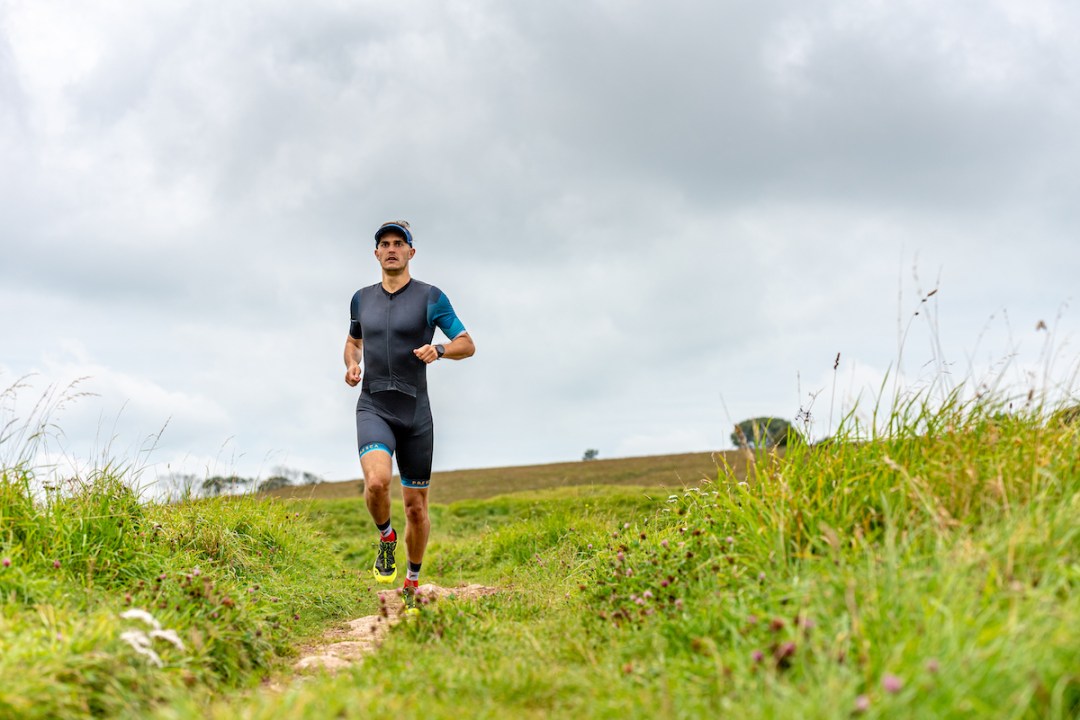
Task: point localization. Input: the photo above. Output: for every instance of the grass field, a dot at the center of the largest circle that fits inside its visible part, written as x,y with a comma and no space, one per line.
931,571
661,471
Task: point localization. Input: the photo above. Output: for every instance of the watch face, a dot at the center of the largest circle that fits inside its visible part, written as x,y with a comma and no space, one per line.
439,349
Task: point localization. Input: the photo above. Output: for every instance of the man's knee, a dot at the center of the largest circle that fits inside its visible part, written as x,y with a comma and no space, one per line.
377,480
415,512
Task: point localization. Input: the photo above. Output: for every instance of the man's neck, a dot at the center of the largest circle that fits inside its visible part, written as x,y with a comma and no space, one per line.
392,282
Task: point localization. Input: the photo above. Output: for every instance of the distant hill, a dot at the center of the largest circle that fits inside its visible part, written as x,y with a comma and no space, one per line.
659,471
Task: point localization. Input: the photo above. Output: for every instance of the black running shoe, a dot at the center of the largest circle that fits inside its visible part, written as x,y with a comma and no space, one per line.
385,569
408,595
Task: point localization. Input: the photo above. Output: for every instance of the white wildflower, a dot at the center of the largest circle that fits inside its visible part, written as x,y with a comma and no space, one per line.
137,614
140,643
169,636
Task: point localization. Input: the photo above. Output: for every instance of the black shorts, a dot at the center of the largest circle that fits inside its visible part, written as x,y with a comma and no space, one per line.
395,422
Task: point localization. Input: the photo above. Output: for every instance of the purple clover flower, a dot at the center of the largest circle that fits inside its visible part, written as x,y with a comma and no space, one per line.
892,684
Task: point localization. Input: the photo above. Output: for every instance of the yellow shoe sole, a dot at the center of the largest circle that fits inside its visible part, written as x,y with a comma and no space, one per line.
384,579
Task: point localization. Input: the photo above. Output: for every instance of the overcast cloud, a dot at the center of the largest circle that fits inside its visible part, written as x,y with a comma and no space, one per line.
643,212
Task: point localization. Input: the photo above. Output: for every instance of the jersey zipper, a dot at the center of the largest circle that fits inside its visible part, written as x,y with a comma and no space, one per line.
389,341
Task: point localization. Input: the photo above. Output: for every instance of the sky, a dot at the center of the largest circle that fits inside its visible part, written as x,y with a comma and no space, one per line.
655,219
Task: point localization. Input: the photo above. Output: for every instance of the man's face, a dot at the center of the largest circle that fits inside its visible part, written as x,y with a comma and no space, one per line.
393,253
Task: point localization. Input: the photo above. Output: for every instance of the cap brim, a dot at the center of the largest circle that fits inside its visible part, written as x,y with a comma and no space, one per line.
396,229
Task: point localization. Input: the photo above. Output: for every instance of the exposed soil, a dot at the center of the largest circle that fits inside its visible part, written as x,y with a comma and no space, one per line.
349,642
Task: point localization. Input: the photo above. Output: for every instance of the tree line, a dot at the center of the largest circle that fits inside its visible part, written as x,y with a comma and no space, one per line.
184,485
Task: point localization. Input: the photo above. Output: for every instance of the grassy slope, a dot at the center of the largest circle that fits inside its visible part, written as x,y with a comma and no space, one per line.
237,578
934,574
930,575
446,487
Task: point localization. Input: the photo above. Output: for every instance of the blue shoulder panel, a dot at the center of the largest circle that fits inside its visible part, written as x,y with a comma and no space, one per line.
440,314
354,315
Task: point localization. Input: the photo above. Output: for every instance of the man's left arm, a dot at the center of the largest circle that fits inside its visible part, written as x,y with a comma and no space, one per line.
459,348
441,315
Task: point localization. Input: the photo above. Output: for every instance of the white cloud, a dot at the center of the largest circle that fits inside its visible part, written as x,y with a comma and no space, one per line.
637,210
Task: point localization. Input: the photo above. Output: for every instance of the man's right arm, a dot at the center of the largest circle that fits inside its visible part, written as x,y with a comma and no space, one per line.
354,353
354,342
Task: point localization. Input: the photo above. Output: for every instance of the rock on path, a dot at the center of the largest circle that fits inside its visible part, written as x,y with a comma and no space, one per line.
345,645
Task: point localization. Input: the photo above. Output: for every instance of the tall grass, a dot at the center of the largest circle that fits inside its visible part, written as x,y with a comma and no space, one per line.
235,578
928,568
930,571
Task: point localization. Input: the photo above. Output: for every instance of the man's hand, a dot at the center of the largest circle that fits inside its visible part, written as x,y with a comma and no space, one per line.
352,375
428,353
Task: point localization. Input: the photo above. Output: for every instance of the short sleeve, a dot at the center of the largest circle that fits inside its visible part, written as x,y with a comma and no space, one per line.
440,314
355,331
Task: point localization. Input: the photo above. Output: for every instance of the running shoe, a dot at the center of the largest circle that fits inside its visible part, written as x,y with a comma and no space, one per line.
385,569
408,594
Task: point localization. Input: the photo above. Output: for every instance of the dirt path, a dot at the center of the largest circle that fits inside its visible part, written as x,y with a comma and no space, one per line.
347,644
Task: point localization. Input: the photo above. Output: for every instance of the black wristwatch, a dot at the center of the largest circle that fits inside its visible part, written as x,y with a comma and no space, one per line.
440,351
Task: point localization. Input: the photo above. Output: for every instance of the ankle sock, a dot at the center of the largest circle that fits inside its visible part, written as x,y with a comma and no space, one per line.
386,531
413,573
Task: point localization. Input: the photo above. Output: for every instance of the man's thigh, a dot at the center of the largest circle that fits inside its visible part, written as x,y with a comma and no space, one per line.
377,465
414,452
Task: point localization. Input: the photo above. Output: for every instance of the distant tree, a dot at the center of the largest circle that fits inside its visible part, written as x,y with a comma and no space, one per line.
765,432
213,486
218,484
297,477
591,454
275,482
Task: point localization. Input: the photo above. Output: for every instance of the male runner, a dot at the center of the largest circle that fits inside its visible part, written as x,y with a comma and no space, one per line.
392,326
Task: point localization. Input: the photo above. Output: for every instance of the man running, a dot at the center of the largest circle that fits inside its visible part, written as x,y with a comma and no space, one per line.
392,326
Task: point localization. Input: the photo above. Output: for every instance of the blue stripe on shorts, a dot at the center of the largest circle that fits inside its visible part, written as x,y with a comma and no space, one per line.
374,446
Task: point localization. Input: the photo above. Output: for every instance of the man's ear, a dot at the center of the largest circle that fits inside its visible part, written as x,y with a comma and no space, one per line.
412,253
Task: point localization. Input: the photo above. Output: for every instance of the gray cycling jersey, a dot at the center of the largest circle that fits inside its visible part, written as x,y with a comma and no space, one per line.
392,325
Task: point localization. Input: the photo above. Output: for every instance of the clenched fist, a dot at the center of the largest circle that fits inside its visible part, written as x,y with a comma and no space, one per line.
352,375
428,353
